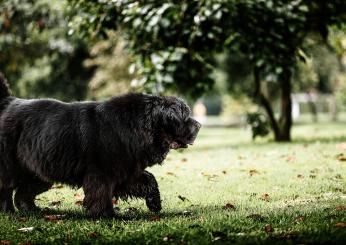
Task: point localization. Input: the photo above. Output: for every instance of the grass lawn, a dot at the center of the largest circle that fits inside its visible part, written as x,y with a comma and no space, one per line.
225,189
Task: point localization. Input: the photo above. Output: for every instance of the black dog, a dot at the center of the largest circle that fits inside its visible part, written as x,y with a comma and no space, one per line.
103,147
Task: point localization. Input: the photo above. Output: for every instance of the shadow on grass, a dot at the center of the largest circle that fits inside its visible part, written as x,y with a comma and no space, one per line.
75,215
202,225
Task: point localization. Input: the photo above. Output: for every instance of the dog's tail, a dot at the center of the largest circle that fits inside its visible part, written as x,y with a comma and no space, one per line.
4,88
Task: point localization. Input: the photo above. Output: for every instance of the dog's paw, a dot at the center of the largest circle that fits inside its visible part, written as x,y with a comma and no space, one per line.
153,204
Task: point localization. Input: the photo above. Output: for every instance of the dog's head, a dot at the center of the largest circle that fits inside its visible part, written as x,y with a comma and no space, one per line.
177,126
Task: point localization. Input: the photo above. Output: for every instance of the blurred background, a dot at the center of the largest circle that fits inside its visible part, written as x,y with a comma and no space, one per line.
254,64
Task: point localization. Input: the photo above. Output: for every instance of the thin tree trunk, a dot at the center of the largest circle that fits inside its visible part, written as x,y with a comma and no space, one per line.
285,121
264,101
333,108
313,107
281,127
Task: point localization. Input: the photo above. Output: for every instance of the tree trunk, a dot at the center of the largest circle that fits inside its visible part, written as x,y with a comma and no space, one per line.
264,101
281,127
285,121
313,107
333,108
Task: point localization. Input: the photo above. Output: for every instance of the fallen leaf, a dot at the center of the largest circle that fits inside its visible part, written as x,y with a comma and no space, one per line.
115,201
184,160
93,235
155,218
170,173
79,203
224,171
268,228
229,206
26,229
341,157
210,177
256,217
182,198
5,242
53,217
312,176
299,219
57,187
22,219
299,176
265,197
252,172
291,159
55,203
77,196
340,208
340,225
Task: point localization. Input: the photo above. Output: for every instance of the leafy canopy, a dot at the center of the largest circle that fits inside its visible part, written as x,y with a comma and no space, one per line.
175,41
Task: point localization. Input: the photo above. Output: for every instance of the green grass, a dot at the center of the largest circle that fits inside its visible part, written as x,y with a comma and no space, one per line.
305,181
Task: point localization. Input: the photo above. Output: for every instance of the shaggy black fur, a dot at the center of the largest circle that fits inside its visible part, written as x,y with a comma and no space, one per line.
103,147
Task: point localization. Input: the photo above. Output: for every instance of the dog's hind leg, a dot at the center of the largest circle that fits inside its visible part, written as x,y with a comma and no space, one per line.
6,201
144,187
26,192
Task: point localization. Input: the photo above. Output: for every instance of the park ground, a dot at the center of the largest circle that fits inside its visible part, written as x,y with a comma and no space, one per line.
224,189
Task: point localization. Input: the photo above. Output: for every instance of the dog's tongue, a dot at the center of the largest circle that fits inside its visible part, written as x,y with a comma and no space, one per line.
174,145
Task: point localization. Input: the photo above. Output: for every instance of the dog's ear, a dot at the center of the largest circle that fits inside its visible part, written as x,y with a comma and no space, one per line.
168,114
171,117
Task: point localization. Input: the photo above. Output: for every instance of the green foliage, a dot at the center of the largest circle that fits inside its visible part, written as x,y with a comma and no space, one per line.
176,40
37,55
112,75
258,123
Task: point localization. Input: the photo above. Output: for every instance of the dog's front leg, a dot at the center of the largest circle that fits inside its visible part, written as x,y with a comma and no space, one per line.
145,186
152,192
98,192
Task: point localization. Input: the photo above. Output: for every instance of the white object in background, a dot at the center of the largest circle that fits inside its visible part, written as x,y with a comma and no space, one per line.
200,112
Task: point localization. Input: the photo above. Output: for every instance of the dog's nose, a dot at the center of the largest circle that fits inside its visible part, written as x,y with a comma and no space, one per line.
196,125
